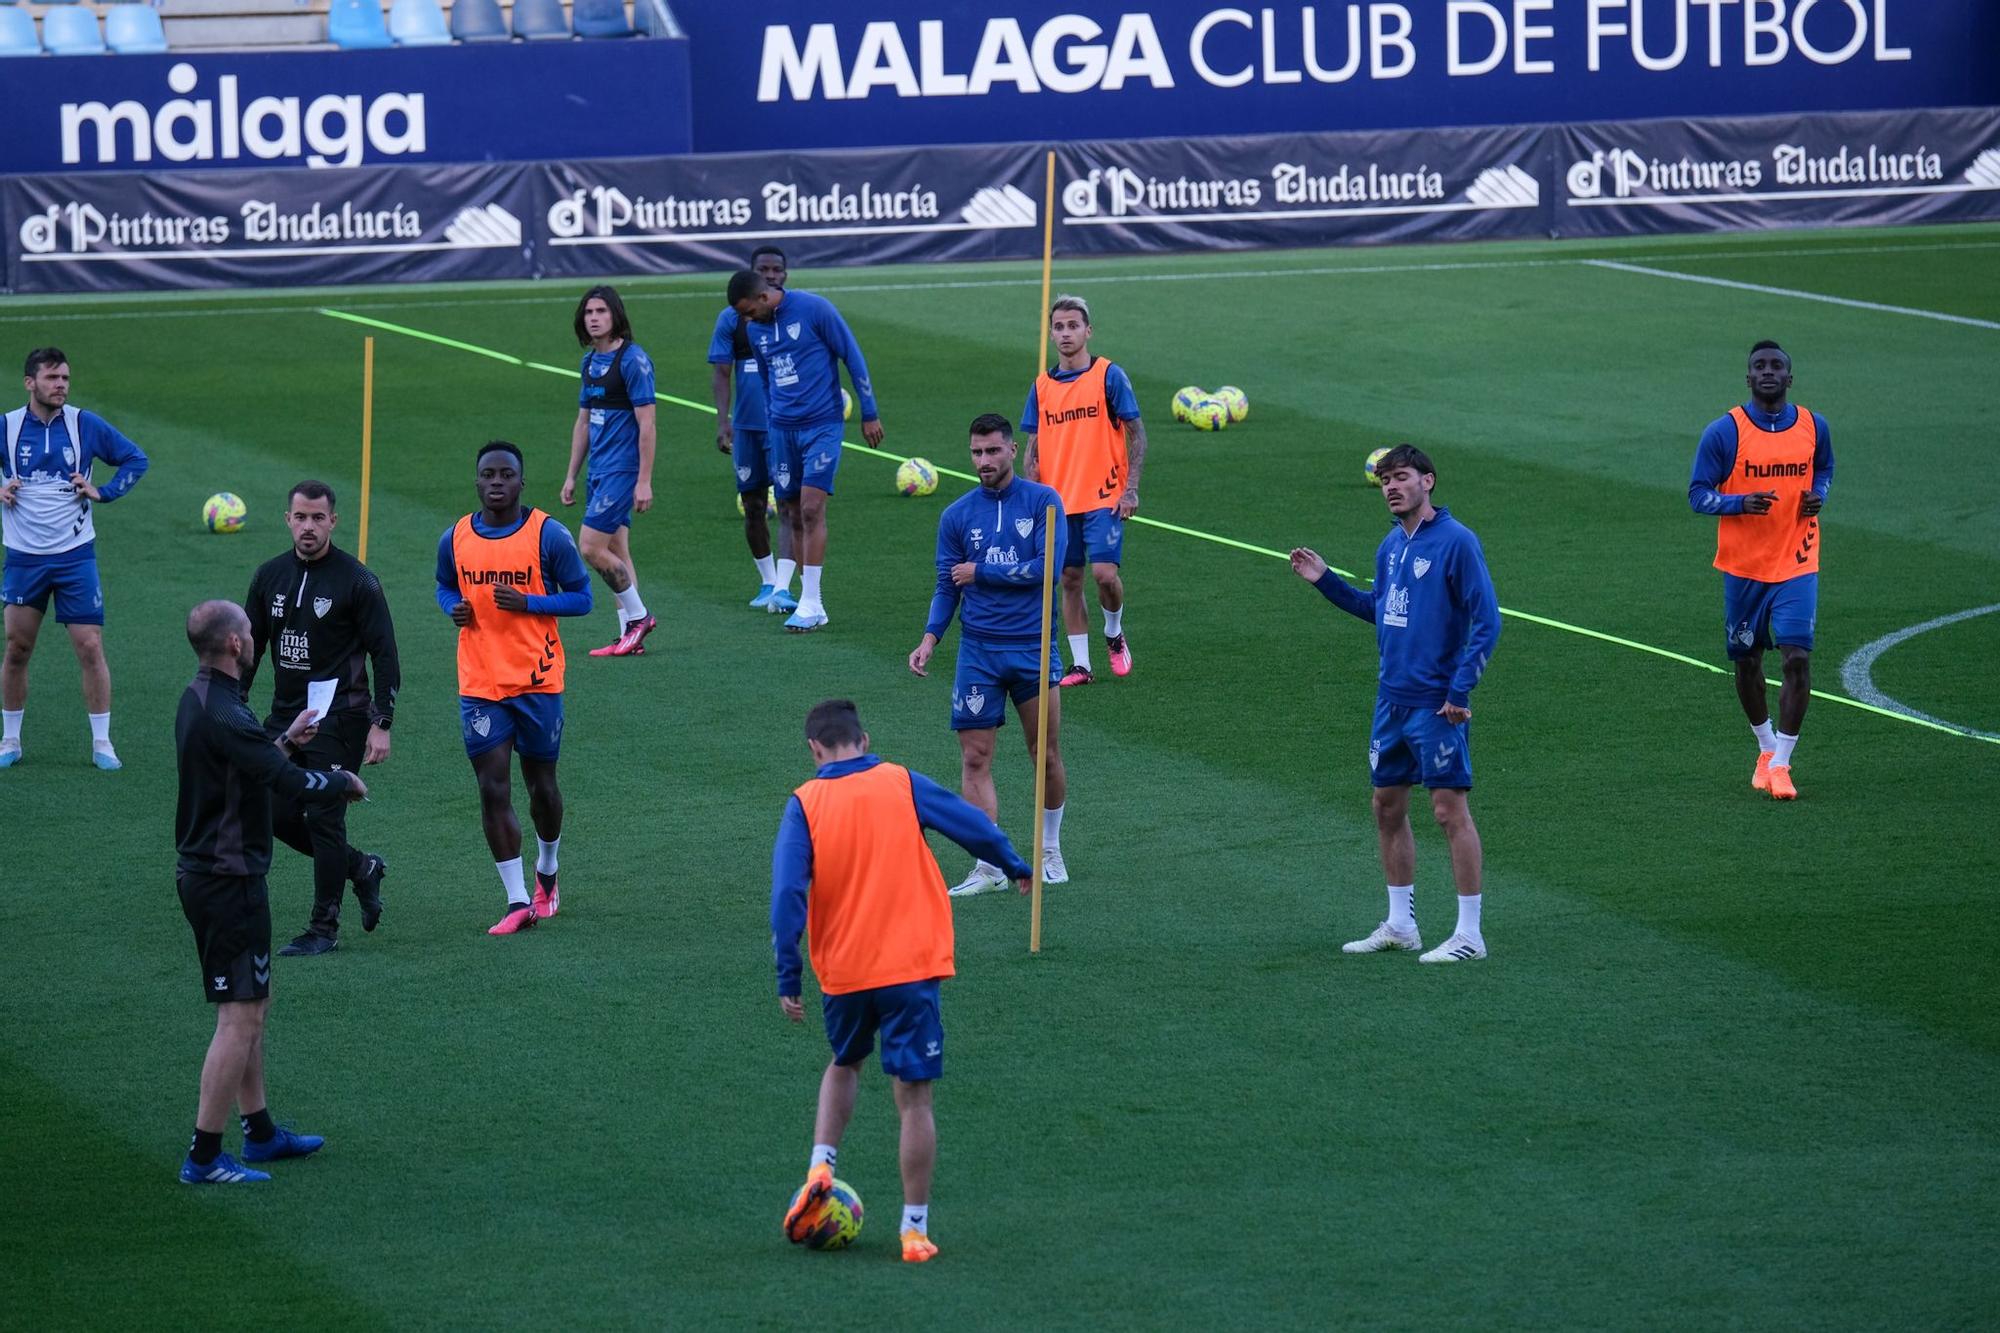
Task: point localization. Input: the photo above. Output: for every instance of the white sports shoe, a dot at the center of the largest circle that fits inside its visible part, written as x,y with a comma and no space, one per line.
10,753
1053,869
983,879
1457,949
1385,938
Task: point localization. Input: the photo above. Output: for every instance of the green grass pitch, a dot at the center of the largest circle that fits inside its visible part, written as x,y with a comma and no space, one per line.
1730,1064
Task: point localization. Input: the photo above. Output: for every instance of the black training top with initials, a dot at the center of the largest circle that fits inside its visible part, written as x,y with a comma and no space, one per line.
228,770
323,619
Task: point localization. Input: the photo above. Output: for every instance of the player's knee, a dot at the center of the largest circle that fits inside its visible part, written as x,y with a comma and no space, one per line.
90,653
495,790
1390,807
1450,811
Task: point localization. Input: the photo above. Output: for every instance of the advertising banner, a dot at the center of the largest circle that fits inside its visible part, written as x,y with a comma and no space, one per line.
342,109
1778,171
1301,189
807,74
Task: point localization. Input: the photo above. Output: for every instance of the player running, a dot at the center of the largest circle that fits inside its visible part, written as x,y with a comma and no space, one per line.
614,424
852,870
1082,435
1764,470
744,433
989,558
800,339
51,542
504,573
1436,623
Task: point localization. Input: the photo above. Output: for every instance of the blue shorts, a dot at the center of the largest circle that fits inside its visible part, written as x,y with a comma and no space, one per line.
533,722
607,504
984,670
1411,746
29,580
1098,535
808,457
752,454
907,1017
1756,615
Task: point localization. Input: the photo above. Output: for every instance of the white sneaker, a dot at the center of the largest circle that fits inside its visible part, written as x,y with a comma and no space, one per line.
1457,949
983,879
106,758
10,753
1385,937
1053,869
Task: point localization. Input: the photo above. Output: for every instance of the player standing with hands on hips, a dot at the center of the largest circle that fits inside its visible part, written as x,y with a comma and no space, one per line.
1764,470
46,499
615,427
1436,624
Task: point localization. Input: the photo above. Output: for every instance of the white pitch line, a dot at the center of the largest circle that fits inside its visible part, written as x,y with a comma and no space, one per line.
1857,673
1876,306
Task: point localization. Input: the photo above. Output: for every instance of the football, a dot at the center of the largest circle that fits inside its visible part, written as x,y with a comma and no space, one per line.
1237,401
1185,400
916,477
1369,467
846,406
1208,414
839,1218
224,513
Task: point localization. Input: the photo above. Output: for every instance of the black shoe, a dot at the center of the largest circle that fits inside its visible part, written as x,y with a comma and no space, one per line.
368,889
308,944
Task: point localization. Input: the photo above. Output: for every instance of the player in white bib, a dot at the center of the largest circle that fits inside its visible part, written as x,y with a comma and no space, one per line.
46,503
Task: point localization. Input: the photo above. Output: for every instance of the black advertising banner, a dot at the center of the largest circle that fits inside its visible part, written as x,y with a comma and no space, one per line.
1878,168
1301,189
113,231
680,214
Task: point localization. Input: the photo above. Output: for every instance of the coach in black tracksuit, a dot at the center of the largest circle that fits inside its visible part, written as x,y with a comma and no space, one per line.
322,615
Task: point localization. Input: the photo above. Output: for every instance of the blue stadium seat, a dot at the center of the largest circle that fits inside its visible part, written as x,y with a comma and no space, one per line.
478,21
418,23
134,30
72,31
540,20
17,33
650,18
356,25
600,18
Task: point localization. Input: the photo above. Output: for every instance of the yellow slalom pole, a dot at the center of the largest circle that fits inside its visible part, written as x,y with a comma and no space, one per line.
367,440
1042,721
1048,260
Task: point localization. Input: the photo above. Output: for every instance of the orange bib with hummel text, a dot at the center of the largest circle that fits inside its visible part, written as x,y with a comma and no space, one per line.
1784,543
504,653
1079,443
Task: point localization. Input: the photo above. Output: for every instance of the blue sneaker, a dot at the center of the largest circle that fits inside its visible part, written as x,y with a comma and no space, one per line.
285,1143
105,758
800,622
762,601
10,755
224,1170
782,602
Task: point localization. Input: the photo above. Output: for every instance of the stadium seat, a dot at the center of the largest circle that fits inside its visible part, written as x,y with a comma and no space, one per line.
72,31
418,23
134,30
540,20
478,21
17,33
600,18
356,25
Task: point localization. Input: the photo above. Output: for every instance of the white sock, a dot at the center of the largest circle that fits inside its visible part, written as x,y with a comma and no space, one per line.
1052,829
10,724
1781,753
100,729
1079,650
783,583
629,605
767,571
545,855
917,1217
1767,740
823,1152
510,880
1468,916
809,585
1400,916
1114,623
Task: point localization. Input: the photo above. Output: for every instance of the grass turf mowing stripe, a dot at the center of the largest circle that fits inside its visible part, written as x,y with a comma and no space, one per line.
1233,543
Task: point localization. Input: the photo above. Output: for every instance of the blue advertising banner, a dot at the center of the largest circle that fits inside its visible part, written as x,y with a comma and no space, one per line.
806,74
332,109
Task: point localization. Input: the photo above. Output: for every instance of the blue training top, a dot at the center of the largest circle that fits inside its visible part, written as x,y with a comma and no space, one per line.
1004,531
1715,458
1435,615
614,383
799,352
562,567
730,346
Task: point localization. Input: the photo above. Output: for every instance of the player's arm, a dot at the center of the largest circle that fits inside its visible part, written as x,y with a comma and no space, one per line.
1472,593
638,370
944,597
1814,500
449,599
563,569
967,825
841,338
378,639
102,440
248,748
1714,460
1028,571
1031,417
722,356
1124,406
257,606
1308,565
579,445
791,876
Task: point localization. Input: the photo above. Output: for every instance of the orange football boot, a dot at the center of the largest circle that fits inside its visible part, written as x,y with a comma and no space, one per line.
1781,783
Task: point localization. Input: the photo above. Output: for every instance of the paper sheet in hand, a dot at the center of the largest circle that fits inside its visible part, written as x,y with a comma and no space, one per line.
319,697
